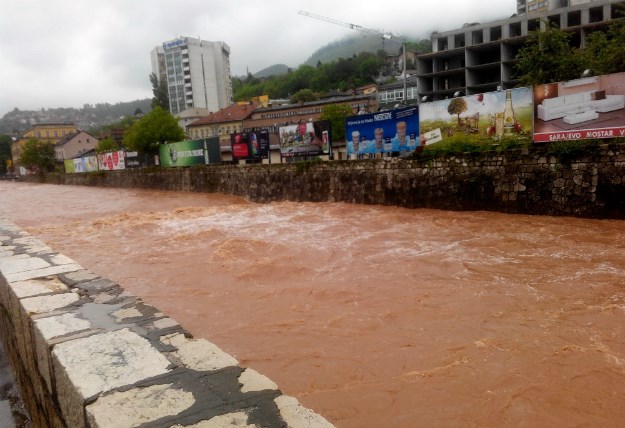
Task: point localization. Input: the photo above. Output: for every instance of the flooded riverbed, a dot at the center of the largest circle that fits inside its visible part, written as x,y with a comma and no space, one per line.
371,316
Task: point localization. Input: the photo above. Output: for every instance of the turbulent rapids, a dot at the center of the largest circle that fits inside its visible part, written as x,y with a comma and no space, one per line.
371,316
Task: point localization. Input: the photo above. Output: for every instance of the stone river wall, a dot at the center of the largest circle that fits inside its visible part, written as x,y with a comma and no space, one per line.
528,181
86,353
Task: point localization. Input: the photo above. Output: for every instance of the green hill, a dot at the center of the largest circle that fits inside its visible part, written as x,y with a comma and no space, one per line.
352,45
272,70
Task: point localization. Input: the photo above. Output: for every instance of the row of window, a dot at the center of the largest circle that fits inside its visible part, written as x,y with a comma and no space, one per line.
397,95
49,134
213,132
290,113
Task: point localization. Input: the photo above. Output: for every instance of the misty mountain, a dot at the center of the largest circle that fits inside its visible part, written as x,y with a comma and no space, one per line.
272,70
88,117
353,45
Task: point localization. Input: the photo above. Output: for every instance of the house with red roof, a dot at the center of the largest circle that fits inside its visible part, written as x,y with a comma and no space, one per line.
222,123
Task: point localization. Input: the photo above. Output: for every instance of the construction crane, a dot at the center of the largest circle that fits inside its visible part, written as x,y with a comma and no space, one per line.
385,36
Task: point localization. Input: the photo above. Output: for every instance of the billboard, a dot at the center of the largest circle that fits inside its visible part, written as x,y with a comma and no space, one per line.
90,163
85,164
190,152
478,118
306,139
250,145
79,166
392,131
590,107
69,166
111,161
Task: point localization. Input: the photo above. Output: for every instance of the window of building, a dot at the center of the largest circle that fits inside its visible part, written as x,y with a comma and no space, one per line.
459,40
478,37
56,134
554,21
515,29
574,18
596,14
618,10
495,33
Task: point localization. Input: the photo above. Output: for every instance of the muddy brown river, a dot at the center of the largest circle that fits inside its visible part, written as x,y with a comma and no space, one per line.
372,316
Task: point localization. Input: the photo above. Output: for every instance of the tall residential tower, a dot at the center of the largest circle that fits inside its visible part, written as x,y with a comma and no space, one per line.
197,73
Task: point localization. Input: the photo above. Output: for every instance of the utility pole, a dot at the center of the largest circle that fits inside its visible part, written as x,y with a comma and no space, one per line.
385,35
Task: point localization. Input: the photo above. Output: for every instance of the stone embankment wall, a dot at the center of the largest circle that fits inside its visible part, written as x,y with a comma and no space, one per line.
526,181
86,353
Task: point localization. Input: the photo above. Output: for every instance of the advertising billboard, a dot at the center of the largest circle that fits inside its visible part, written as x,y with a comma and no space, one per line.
79,166
90,163
250,145
85,164
111,161
190,152
392,131
590,107
69,166
306,139
490,116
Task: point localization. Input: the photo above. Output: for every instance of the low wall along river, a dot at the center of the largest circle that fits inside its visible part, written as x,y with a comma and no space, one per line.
526,181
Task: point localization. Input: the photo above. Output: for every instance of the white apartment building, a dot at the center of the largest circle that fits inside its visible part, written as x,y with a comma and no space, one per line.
197,73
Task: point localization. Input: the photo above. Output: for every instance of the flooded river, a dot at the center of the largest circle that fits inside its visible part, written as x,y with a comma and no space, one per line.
372,316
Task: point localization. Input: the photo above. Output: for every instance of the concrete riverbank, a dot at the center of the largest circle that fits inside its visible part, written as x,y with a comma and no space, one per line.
86,353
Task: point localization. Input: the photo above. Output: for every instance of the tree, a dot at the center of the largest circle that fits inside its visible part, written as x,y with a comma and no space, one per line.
160,91
107,145
336,114
5,152
604,53
548,57
37,155
153,129
304,95
457,106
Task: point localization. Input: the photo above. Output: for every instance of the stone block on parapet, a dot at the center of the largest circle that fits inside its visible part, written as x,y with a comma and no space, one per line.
34,294
298,416
87,367
187,398
198,354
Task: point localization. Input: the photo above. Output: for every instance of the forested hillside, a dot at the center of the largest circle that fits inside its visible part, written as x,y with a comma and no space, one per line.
88,117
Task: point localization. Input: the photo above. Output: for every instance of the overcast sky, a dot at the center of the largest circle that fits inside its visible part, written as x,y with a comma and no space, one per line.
67,53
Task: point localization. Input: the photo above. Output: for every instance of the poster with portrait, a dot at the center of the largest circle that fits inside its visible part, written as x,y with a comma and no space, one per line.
393,131
306,139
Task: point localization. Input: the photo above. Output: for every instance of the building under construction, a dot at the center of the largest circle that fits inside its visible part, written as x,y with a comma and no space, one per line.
481,57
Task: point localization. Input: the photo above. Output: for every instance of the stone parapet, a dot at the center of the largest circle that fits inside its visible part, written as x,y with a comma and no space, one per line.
523,181
86,353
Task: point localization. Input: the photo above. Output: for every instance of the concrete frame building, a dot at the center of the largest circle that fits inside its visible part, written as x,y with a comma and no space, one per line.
533,7
481,57
197,73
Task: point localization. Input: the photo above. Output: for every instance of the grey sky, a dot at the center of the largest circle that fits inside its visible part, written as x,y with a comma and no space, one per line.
67,53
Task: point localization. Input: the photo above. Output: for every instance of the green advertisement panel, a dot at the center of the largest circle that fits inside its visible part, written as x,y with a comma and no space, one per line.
69,165
183,153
